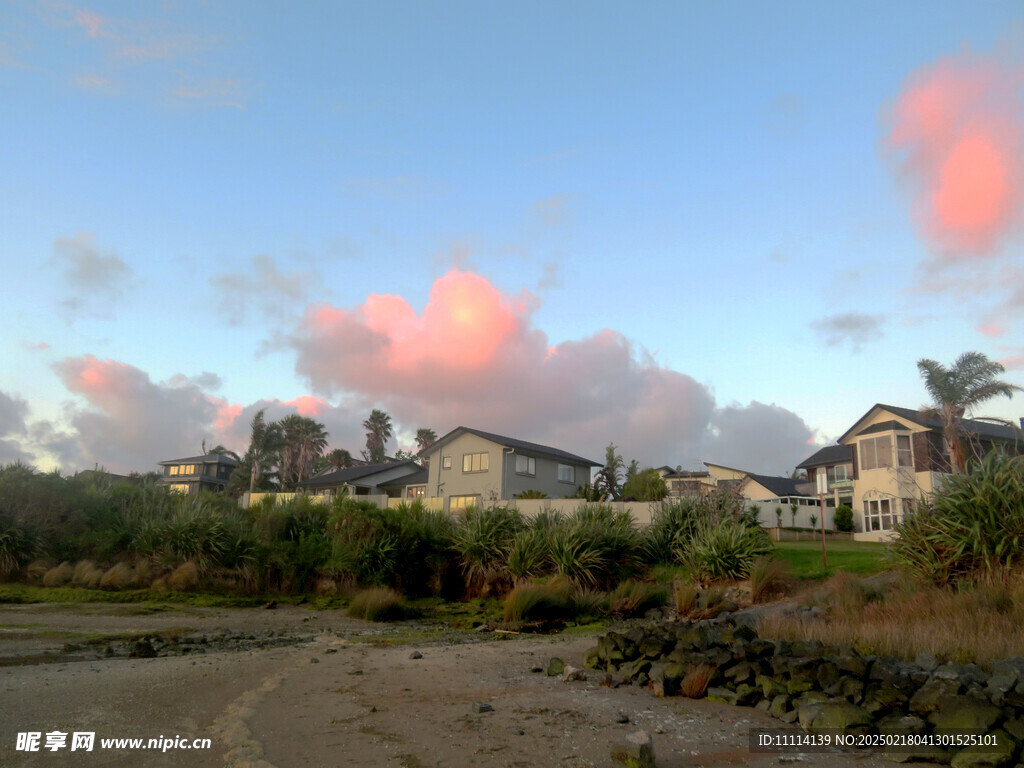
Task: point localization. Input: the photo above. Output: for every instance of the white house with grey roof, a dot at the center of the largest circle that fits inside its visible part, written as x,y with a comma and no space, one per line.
469,467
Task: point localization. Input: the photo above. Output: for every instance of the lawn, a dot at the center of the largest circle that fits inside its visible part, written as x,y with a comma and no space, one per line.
804,557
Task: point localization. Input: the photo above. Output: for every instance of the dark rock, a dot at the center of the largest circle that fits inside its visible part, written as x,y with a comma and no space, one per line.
984,756
901,725
314,660
555,667
959,714
779,706
621,717
141,649
415,655
932,694
723,694
591,658
926,661
479,707
835,716
853,665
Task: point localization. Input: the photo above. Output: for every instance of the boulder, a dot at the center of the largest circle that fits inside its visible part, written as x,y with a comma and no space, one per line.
932,694
835,716
960,714
635,751
984,756
555,667
779,706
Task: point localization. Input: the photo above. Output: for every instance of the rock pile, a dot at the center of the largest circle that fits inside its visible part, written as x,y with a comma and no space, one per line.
826,687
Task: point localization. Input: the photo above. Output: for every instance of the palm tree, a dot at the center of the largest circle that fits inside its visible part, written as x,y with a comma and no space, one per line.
956,391
304,443
339,458
378,432
425,438
265,445
609,478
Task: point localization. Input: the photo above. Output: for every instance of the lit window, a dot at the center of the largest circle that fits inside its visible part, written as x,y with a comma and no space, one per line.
526,465
475,462
446,462
566,473
462,503
179,488
416,491
904,456
876,452
174,470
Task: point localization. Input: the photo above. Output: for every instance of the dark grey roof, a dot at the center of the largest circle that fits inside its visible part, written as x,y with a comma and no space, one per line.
830,454
688,474
511,442
780,486
210,458
416,478
351,474
979,427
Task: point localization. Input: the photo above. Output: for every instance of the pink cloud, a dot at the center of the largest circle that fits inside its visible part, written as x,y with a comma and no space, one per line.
992,330
38,347
472,357
307,405
955,134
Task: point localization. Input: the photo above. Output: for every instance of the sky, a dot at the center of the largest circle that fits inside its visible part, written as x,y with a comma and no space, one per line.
699,231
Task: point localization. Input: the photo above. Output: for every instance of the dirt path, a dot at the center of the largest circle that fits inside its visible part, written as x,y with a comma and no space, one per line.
339,698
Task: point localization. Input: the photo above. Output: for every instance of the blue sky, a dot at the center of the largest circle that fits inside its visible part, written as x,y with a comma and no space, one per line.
715,184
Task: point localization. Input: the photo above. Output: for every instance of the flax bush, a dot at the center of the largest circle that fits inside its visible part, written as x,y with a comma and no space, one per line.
973,524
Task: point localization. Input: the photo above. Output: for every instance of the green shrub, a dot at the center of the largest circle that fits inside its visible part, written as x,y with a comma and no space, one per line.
378,604
530,494
724,549
530,553
647,485
671,527
18,544
973,524
844,518
482,537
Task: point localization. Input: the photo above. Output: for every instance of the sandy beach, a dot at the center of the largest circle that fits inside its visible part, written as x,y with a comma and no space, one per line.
335,691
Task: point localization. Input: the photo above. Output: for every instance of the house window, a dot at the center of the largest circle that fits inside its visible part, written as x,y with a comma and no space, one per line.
566,473
174,470
475,462
876,452
840,473
526,465
904,455
462,503
416,491
179,487
881,514
446,462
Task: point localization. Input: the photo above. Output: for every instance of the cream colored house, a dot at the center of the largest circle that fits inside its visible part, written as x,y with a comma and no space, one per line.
898,458
700,482
468,467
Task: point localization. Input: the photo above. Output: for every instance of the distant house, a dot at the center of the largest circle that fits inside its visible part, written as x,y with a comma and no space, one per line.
198,473
835,462
397,479
469,467
892,457
768,488
700,482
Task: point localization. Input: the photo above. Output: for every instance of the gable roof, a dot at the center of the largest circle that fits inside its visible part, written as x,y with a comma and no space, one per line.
351,474
210,458
710,464
830,454
418,477
780,486
509,442
978,427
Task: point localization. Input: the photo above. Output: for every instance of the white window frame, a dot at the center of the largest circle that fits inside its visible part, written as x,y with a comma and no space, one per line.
883,514
571,479
446,462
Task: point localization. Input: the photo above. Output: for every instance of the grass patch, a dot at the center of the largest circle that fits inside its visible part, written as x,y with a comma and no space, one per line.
804,557
379,604
977,622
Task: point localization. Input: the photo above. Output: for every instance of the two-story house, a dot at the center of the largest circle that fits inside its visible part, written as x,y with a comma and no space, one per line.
891,458
397,479
469,467
836,463
198,473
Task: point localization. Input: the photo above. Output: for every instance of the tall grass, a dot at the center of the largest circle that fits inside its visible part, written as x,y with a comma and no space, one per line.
978,621
482,538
